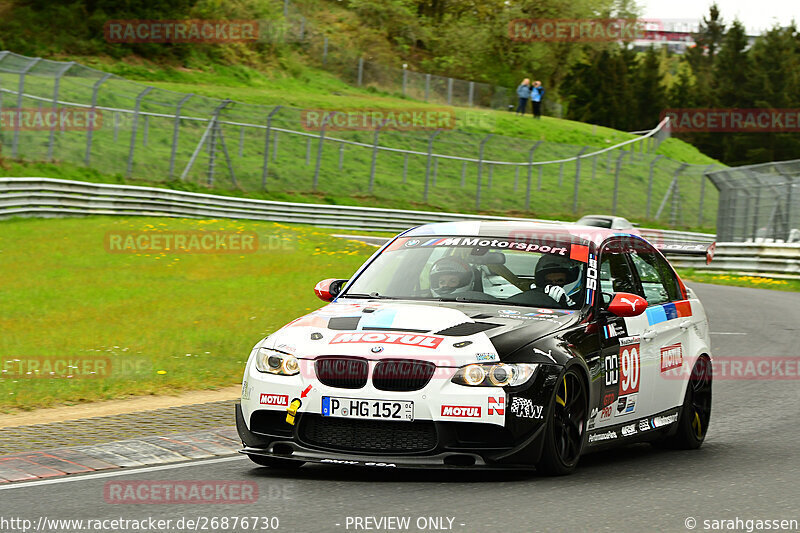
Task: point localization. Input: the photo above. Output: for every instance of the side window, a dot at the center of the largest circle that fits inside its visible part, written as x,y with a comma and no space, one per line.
657,280
615,274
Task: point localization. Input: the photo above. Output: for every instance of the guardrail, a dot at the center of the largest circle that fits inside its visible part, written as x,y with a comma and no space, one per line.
48,197
748,258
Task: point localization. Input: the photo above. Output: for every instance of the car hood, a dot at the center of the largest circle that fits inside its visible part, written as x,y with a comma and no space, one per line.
448,333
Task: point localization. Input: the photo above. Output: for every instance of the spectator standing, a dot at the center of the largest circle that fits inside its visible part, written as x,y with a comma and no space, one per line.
537,94
524,94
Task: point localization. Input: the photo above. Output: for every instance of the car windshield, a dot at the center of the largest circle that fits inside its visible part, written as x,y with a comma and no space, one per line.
477,269
598,222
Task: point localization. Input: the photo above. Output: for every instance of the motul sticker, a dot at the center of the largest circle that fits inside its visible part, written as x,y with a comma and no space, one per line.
671,357
461,412
423,341
274,399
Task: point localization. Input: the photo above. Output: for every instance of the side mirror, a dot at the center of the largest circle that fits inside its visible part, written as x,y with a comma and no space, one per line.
328,289
627,304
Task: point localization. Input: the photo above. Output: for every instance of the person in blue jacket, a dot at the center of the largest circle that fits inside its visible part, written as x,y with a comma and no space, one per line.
524,94
537,93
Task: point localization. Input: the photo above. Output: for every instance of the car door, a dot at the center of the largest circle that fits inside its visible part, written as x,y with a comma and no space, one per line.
625,394
667,320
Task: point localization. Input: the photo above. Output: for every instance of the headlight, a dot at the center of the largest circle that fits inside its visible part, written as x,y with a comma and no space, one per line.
276,362
495,374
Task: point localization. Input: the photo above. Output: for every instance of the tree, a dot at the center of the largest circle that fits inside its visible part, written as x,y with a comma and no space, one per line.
649,94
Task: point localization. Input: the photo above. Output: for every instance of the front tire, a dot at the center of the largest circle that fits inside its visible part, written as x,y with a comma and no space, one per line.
696,410
272,462
566,425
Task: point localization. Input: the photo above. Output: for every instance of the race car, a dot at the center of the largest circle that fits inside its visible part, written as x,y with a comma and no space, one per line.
486,345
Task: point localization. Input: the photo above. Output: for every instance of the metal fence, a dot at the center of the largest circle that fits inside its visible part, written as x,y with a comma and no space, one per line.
159,136
352,66
759,203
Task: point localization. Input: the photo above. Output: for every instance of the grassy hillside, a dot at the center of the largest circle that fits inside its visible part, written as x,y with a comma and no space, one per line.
344,173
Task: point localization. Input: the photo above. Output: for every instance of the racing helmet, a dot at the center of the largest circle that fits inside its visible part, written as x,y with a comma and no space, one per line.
450,275
551,264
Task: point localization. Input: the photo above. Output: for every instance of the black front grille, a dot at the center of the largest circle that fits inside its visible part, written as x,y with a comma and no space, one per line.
402,374
367,435
342,372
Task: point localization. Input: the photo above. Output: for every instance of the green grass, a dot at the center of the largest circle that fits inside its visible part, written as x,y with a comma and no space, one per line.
292,166
758,282
193,317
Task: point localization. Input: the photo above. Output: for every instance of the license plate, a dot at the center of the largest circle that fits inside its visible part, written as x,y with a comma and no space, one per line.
401,411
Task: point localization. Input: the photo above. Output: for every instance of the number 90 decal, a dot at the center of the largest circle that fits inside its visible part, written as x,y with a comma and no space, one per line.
629,369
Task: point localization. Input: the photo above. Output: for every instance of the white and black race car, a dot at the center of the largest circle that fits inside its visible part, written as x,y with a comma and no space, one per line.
485,345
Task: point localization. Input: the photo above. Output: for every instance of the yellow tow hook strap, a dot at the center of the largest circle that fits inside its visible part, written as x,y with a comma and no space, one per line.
697,425
563,401
291,411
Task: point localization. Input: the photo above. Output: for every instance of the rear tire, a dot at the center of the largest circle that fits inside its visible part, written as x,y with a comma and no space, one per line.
565,427
695,413
272,462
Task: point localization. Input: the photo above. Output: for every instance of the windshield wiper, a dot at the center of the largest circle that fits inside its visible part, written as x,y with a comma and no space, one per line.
372,295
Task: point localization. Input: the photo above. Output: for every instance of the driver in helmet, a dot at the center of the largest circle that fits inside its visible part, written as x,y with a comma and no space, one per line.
552,274
450,276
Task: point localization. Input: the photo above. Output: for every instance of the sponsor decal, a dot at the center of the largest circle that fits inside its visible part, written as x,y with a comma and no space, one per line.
608,435
412,242
613,330
626,405
671,357
591,279
280,400
609,398
629,369
340,462
497,406
486,357
668,311
481,242
423,341
627,341
347,462
612,370
246,390
660,421
605,414
461,411
629,302
627,431
644,425
590,425
525,408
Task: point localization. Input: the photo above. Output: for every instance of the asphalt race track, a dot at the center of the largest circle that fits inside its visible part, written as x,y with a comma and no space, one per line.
748,468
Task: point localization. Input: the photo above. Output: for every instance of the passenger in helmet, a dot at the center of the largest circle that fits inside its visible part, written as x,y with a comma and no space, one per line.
450,276
551,275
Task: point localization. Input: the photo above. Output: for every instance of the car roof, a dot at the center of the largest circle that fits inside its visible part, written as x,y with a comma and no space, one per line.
518,229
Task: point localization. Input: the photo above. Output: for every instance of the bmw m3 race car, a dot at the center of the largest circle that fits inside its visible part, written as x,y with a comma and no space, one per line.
485,345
